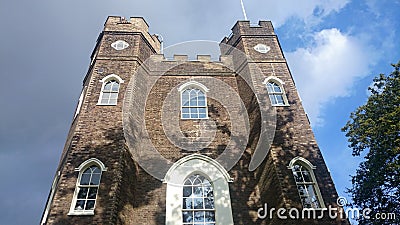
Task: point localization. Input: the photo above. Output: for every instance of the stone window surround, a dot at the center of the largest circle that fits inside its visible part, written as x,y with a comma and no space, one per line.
213,171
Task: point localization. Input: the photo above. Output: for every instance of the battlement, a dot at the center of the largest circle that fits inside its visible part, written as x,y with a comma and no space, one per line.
132,25
224,59
244,28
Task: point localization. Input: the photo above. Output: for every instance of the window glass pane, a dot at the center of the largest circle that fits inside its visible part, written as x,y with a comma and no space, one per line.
302,190
193,102
185,110
115,86
198,203
79,205
306,176
270,88
201,103
277,88
202,110
185,116
306,202
187,191
202,116
185,99
210,216
279,99
201,97
208,203
95,179
198,191
92,193
188,216
112,101
82,193
297,176
187,203
193,110
113,95
107,87
193,94
208,191
297,168
106,96
95,169
198,216
90,205
272,98
85,179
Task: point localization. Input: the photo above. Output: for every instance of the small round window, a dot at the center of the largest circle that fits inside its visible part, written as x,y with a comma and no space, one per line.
120,45
261,48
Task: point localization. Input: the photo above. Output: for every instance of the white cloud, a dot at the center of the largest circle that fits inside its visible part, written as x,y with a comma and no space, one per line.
328,69
310,11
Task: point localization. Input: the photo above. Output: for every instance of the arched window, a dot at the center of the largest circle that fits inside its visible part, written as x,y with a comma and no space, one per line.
110,90
198,201
306,183
87,186
198,192
193,101
275,91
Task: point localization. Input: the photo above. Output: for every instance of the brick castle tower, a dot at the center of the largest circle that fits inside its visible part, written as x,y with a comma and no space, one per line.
179,141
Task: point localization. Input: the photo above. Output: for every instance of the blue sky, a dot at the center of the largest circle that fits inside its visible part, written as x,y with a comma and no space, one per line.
334,48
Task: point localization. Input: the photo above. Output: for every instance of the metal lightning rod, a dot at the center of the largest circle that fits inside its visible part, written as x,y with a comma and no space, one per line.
244,11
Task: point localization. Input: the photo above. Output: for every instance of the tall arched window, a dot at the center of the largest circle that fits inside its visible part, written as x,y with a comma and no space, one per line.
198,192
87,186
275,91
193,101
306,183
198,201
110,90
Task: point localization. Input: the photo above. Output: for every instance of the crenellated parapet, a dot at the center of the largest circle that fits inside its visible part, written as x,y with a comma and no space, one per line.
133,25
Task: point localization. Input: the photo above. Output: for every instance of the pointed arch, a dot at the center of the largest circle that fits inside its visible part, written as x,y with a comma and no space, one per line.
306,183
193,100
109,90
87,186
210,170
276,92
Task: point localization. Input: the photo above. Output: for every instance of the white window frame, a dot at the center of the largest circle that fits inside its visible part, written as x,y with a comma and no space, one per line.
203,209
213,171
193,85
280,83
262,48
104,82
120,45
310,167
85,165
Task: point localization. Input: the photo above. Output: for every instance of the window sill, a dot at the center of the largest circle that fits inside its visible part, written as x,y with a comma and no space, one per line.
81,213
206,118
106,104
286,105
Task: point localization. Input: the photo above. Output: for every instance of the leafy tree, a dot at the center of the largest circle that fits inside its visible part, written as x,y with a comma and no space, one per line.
374,131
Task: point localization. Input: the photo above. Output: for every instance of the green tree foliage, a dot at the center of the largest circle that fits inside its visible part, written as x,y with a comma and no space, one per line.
374,131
